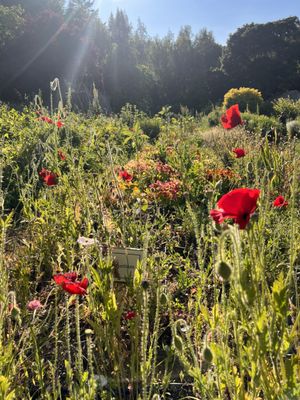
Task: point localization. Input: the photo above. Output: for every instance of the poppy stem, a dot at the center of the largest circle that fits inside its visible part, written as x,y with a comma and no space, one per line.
68,330
79,347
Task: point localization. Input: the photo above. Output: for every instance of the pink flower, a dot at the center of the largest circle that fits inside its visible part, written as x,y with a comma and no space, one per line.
34,305
280,202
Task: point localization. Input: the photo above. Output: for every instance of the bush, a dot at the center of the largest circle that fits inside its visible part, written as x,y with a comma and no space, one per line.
261,123
248,99
214,117
286,108
293,129
150,126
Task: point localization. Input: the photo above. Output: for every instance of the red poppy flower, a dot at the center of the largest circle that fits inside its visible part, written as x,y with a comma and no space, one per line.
61,155
232,117
74,287
43,173
68,282
280,202
130,315
49,178
67,277
239,205
59,124
239,152
125,176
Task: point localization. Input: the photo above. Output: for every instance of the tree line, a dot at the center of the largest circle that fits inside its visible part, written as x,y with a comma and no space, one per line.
45,39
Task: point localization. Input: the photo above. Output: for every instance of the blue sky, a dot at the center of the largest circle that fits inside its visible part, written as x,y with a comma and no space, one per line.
221,17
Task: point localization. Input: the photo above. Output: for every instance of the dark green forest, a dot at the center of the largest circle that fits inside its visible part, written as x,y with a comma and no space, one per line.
44,39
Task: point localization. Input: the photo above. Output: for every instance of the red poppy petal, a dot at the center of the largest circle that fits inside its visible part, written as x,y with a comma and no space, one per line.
280,202
239,201
60,279
73,288
66,277
84,283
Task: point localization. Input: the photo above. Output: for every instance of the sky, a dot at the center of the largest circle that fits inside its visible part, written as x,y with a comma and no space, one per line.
219,16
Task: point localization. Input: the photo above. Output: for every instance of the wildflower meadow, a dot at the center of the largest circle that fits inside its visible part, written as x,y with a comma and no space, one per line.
142,266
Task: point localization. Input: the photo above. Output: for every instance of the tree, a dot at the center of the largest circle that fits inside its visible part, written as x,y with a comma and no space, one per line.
264,56
11,23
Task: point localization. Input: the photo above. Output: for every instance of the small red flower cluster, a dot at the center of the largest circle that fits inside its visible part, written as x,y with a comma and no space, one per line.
280,202
69,283
239,152
49,178
239,205
125,175
168,190
58,123
232,117
129,315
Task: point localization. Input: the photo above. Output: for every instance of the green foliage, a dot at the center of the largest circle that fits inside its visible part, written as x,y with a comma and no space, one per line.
11,22
293,129
49,38
287,108
248,99
151,127
214,116
216,329
257,54
261,123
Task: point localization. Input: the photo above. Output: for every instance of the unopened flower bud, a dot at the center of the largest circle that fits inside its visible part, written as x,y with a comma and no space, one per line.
224,270
207,355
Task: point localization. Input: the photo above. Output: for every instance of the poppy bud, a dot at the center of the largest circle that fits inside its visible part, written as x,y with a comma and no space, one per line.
250,168
224,270
207,355
178,343
16,315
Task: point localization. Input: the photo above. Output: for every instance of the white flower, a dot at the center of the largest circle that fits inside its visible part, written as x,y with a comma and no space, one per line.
101,380
84,241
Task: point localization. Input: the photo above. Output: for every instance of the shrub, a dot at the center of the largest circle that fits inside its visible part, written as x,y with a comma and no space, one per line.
150,126
286,108
248,99
260,123
293,129
214,117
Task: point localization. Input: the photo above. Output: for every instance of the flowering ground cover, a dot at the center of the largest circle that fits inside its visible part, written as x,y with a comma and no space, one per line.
212,310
